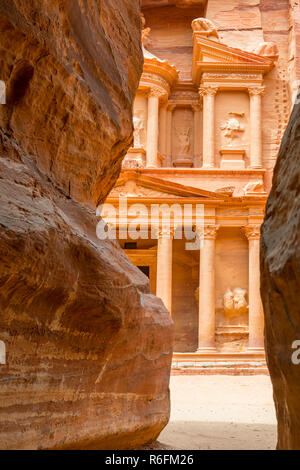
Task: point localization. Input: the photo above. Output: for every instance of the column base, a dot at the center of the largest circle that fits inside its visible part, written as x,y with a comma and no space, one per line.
255,167
206,166
206,350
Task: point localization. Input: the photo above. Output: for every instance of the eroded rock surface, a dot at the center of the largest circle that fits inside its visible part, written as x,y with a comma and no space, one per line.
88,348
280,273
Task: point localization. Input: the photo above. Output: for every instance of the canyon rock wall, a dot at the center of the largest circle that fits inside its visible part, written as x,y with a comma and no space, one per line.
88,348
280,277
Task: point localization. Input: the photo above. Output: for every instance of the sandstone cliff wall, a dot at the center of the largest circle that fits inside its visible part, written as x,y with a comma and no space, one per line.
88,349
280,277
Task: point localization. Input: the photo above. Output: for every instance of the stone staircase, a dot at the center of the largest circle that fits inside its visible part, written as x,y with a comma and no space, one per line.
220,363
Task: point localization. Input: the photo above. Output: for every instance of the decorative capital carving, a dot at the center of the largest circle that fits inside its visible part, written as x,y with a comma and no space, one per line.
157,92
208,232
166,233
256,90
208,90
252,232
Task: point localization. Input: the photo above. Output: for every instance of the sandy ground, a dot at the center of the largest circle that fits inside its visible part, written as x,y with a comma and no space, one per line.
220,412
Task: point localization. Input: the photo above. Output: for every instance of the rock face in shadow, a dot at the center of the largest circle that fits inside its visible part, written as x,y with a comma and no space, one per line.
280,277
88,348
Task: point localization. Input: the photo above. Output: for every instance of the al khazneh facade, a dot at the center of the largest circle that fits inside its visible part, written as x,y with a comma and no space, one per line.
207,131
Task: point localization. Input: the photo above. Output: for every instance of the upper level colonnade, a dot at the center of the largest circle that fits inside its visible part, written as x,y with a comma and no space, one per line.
213,121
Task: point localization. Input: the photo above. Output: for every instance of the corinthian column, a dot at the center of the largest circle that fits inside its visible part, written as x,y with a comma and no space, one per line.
255,126
256,317
206,337
152,128
208,94
164,267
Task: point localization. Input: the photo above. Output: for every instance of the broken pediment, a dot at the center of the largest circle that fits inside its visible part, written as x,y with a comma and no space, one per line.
213,56
134,185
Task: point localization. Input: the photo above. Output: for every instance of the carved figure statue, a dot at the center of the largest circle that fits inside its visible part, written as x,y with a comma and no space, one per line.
228,301
235,302
232,128
205,27
254,187
239,301
184,140
267,49
138,124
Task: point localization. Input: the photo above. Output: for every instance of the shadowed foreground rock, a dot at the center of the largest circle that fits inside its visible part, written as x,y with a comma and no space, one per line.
88,348
280,272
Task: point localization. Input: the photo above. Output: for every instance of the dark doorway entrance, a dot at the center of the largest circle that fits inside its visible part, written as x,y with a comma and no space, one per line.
145,270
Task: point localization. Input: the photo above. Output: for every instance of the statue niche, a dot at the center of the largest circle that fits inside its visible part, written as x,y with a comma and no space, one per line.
182,138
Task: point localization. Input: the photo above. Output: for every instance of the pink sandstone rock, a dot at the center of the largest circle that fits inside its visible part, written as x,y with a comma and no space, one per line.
88,348
280,277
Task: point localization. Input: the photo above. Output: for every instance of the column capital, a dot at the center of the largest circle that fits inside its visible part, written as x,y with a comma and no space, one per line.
208,232
252,232
158,93
211,90
166,233
256,90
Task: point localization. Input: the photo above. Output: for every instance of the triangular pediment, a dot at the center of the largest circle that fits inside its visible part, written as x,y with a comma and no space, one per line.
212,56
135,185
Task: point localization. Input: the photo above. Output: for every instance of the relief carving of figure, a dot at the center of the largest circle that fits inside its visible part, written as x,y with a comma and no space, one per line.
205,27
235,302
138,124
184,140
232,129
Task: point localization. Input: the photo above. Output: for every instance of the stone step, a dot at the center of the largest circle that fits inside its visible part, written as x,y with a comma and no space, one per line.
237,368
